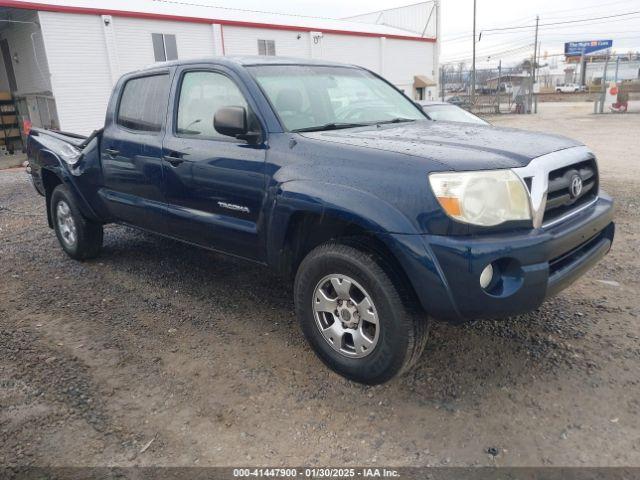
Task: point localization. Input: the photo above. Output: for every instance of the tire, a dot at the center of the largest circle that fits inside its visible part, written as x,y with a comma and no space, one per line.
369,353
79,237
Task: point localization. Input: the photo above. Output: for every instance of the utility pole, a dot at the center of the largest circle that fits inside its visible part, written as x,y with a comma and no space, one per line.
537,78
603,94
498,84
535,50
534,65
473,64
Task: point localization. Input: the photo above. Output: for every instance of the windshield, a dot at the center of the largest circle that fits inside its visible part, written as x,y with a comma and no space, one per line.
310,97
451,113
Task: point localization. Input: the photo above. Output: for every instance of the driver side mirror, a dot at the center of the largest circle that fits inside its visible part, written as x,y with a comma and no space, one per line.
232,122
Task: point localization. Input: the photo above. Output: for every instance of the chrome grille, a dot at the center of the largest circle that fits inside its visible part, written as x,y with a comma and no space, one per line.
560,197
548,179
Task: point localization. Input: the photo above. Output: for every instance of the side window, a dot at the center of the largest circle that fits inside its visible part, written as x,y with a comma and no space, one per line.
164,47
143,104
201,95
267,47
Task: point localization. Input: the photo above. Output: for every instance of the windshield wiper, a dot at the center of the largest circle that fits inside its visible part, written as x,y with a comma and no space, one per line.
330,126
338,126
396,120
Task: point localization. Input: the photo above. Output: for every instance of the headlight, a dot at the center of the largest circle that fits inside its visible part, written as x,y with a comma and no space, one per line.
484,198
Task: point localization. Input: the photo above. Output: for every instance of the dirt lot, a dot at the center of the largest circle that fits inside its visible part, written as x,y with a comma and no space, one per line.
201,356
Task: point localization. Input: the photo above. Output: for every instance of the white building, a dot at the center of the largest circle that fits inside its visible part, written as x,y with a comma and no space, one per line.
61,58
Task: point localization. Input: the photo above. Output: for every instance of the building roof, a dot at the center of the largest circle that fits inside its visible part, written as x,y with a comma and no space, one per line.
200,13
419,18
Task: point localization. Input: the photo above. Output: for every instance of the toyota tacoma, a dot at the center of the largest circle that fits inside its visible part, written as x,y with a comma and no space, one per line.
327,173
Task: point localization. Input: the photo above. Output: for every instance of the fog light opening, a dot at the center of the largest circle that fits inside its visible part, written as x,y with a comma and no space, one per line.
502,277
486,277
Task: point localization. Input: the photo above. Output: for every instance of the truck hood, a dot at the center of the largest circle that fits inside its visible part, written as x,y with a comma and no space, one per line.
458,146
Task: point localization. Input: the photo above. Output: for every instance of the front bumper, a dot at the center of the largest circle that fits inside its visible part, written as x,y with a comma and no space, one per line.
532,266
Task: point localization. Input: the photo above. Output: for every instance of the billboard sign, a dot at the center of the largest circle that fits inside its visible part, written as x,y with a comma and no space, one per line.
572,49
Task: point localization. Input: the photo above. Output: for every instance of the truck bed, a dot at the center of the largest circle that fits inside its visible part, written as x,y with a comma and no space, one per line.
74,139
61,152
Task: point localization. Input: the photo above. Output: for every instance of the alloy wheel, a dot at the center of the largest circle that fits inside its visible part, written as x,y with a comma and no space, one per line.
66,224
346,316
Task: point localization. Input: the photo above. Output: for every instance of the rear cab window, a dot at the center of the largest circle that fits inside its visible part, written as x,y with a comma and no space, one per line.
143,103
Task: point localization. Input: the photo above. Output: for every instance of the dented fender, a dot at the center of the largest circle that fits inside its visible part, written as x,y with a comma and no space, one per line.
56,158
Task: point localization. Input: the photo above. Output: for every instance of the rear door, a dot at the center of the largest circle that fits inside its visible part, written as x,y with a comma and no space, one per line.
214,184
132,152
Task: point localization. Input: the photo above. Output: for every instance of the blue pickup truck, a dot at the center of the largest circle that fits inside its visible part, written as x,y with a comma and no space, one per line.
330,175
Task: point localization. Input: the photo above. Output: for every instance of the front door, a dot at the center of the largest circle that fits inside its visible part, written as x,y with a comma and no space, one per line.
214,184
132,153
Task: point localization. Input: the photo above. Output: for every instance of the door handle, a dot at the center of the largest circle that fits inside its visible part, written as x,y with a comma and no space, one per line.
174,159
111,152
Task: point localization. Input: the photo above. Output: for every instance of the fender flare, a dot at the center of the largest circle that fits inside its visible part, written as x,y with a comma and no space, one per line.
331,200
51,163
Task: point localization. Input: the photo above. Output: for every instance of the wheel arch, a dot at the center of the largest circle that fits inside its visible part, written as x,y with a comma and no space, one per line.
50,180
308,230
306,214
52,176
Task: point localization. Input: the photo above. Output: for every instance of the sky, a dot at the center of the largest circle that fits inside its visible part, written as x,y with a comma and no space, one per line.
511,46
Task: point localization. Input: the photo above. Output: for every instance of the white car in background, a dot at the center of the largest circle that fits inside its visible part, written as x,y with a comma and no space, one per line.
568,88
444,111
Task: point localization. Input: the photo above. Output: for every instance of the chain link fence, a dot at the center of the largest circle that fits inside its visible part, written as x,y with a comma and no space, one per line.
498,90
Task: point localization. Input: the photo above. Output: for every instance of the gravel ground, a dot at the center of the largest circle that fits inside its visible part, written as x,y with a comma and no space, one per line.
160,354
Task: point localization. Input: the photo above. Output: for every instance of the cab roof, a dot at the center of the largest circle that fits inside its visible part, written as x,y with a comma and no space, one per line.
245,61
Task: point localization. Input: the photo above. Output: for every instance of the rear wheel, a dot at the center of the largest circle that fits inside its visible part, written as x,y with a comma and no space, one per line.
80,238
359,322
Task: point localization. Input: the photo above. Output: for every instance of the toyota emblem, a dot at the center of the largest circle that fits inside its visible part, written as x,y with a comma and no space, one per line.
576,186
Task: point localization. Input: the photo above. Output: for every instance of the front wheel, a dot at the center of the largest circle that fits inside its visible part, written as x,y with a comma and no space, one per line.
358,320
79,237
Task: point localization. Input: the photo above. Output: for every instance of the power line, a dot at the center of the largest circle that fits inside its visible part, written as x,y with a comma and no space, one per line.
492,49
547,29
545,57
549,26
553,35
464,34
601,5
562,55
497,51
500,53
563,23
